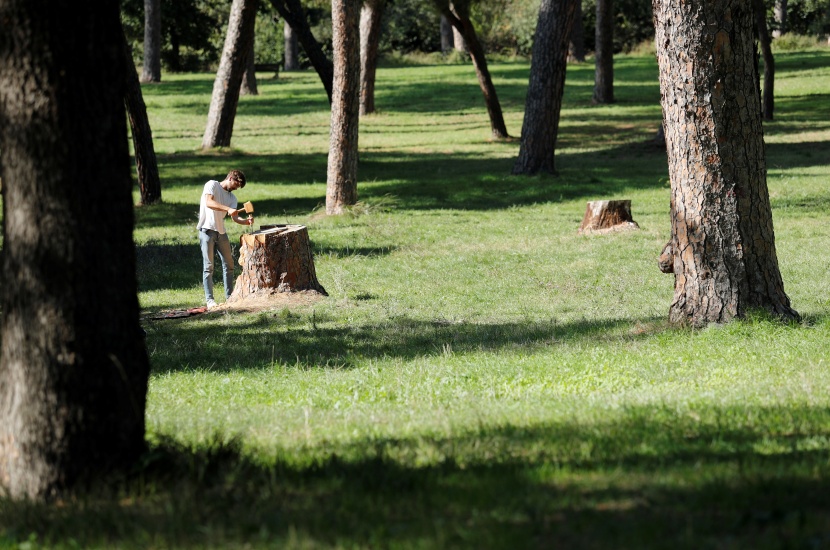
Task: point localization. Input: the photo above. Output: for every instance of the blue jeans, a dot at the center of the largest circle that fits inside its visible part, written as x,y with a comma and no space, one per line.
211,241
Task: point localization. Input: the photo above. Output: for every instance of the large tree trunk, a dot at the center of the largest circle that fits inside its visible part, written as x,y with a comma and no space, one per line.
146,166
249,86
576,46
547,85
604,55
780,18
293,14
152,41
341,180
228,81
291,49
458,14
768,99
447,40
73,366
722,249
370,19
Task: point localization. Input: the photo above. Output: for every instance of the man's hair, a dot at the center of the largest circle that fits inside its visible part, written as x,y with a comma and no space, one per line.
237,176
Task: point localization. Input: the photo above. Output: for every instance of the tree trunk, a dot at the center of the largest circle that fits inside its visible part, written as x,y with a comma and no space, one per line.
604,55
152,41
458,14
458,42
370,19
576,46
723,246
341,180
73,366
768,98
293,14
229,76
275,259
249,86
546,88
607,216
447,36
292,48
146,166
780,18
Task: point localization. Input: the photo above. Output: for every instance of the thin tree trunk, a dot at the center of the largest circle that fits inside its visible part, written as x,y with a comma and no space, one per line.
228,81
780,18
370,19
722,250
576,46
73,366
293,14
768,98
249,86
546,87
152,41
604,74
145,154
447,36
292,48
458,15
341,180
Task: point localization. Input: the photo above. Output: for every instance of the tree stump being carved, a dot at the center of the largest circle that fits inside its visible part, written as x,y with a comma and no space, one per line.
607,216
276,258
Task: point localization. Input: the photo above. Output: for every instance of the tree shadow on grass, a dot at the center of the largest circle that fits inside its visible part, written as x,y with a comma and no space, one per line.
311,341
647,477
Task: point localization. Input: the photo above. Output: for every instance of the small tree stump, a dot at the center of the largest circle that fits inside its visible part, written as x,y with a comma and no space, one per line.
276,258
607,216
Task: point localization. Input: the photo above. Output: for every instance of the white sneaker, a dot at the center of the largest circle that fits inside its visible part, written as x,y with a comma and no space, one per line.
212,304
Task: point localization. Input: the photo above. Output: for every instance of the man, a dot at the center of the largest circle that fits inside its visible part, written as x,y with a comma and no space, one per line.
217,201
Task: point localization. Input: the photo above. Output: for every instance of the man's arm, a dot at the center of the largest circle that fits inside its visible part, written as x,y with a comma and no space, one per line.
211,203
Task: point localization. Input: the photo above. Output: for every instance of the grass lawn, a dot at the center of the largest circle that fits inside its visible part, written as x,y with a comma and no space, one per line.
480,376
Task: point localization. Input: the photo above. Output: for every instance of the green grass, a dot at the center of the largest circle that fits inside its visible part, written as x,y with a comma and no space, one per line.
480,375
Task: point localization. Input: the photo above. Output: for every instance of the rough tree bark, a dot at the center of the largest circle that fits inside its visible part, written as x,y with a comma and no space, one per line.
73,366
293,14
547,85
275,259
249,86
370,19
458,14
722,249
607,216
341,178
764,40
228,81
292,48
604,54
152,41
146,166
576,46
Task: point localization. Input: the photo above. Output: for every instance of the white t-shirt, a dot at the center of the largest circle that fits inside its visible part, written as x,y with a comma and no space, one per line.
213,219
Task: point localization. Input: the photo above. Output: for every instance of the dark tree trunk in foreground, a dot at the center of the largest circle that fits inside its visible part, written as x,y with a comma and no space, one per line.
228,81
576,46
604,73
458,14
293,14
291,48
546,87
764,40
780,18
370,19
73,367
249,86
722,250
341,180
152,41
447,40
146,166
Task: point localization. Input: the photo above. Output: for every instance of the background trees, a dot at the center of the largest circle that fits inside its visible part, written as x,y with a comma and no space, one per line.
73,366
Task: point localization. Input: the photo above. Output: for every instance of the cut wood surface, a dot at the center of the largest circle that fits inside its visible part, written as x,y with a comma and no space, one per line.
607,216
276,258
